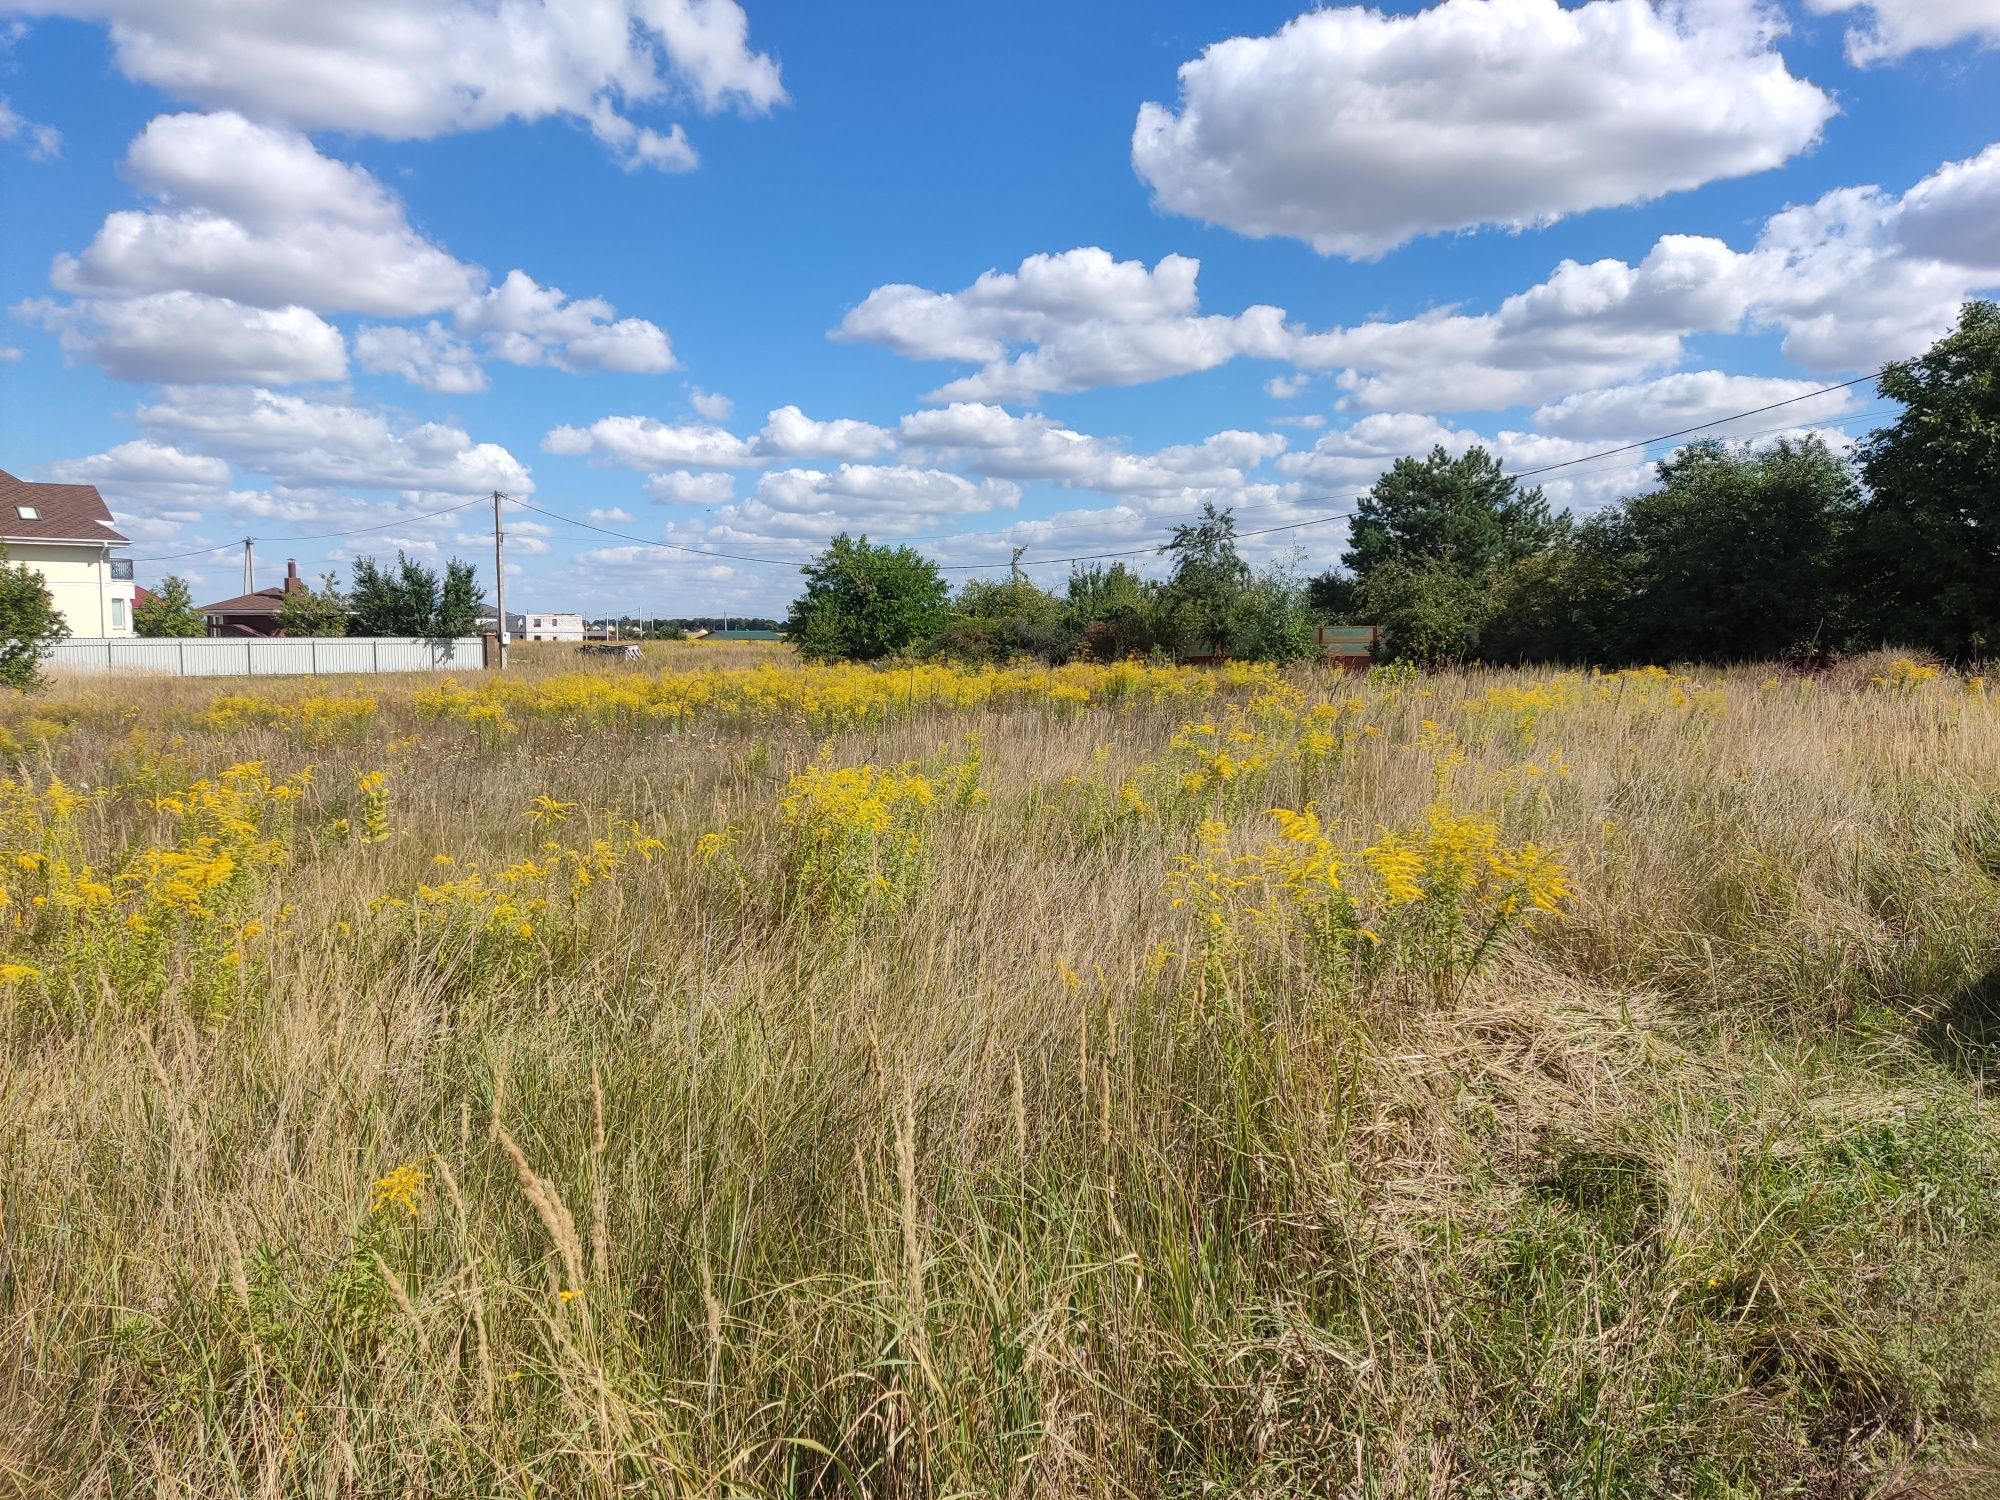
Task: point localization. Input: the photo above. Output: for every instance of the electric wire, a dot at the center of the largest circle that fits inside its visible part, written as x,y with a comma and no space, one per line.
1296,525
1147,549
319,536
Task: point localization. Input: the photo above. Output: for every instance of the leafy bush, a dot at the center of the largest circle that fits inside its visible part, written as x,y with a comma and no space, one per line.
169,611
29,624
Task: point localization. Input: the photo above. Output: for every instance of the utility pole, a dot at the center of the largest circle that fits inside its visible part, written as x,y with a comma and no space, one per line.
500,577
249,568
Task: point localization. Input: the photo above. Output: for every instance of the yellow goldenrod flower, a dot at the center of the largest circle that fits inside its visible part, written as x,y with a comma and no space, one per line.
402,1187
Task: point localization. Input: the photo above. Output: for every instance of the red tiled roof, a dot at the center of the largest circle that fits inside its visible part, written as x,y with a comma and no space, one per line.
68,513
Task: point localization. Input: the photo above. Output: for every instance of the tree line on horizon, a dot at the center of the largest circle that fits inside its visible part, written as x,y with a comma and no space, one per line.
1792,550
1787,551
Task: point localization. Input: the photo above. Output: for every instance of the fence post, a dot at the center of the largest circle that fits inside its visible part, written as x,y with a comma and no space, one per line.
181,655
312,653
375,653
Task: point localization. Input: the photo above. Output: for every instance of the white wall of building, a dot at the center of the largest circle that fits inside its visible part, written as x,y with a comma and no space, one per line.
541,625
78,575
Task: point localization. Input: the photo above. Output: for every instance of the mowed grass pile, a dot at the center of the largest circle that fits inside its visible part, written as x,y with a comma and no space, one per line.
729,1077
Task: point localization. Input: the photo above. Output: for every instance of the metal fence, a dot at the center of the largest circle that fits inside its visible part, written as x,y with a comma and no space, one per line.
258,656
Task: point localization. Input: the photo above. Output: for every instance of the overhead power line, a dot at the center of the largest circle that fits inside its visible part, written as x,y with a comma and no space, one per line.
721,555
1154,546
319,536
1286,504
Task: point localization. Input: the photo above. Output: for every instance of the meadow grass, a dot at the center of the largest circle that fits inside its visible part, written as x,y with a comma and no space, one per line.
729,1077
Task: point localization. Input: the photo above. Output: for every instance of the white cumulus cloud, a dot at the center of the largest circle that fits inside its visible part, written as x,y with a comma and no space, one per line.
648,443
143,466
790,433
989,439
301,442
526,323
189,336
1854,278
261,216
856,493
1086,320
41,142
389,68
1356,130
257,216
1690,399
682,487
430,357
1897,28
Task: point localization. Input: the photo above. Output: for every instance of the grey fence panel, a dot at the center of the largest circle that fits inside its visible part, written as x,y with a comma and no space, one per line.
282,658
101,656
245,656
339,654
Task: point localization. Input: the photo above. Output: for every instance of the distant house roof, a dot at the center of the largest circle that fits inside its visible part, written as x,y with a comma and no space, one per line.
261,602
515,622
31,512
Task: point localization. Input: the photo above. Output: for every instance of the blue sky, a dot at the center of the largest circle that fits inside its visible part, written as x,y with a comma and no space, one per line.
712,275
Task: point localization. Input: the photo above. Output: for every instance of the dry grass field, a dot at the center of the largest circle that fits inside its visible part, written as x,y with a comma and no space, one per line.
728,1077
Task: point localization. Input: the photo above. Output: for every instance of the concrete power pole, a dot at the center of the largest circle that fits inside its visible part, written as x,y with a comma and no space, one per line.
500,577
249,567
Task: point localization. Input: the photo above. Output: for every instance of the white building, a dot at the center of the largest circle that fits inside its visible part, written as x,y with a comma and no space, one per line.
64,532
550,627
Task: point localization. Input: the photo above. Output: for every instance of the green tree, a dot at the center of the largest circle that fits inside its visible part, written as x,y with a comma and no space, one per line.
1572,603
1111,610
863,602
458,601
30,623
169,611
1274,619
309,611
1737,556
1926,558
1430,612
411,600
1204,591
1462,513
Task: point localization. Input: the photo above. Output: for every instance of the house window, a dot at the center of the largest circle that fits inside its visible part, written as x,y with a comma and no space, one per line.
117,614
28,512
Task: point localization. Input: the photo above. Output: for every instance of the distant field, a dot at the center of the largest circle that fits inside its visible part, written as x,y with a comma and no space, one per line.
722,1076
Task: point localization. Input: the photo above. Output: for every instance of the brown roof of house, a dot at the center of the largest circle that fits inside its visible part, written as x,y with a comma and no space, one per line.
262,601
69,513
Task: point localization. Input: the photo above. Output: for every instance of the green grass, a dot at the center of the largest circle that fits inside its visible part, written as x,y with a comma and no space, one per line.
1010,1190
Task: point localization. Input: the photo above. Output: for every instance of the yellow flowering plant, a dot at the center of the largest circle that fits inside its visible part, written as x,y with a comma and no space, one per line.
857,838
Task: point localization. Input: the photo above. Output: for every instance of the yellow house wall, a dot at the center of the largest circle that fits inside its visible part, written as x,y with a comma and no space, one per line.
79,580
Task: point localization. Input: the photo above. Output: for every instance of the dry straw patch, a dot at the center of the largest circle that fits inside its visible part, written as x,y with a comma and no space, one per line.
729,1077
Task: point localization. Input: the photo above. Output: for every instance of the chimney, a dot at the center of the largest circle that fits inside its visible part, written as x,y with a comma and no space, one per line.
293,584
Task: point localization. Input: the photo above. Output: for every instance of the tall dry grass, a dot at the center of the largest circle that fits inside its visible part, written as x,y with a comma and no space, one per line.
1017,1179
